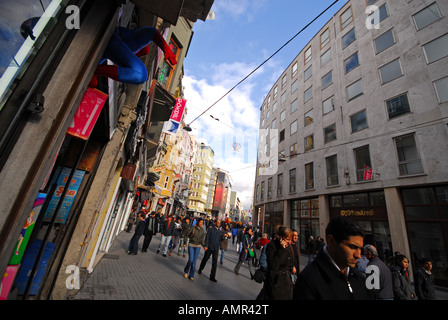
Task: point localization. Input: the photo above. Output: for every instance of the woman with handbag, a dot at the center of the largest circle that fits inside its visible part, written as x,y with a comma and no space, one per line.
247,252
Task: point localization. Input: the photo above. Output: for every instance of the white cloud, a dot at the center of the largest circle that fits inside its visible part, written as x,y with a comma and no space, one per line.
238,122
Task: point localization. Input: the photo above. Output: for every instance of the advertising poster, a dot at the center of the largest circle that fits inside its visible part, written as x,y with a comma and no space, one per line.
24,236
69,197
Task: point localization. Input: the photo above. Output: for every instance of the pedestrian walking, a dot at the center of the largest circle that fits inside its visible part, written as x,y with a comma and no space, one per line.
385,290
296,252
176,234
400,277
332,275
312,245
167,230
234,232
280,260
150,230
247,252
196,238
183,241
225,236
139,230
212,244
239,238
424,282
131,220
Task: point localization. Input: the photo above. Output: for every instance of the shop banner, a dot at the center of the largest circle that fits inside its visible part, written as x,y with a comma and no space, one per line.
88,112
7,280
178,110
69,196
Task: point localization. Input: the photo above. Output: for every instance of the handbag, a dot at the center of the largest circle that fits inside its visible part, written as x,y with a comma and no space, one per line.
259,275
251,252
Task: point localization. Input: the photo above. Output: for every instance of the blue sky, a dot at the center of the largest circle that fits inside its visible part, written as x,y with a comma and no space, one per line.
223,51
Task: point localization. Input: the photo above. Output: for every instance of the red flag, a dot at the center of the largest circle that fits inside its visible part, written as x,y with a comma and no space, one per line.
368,173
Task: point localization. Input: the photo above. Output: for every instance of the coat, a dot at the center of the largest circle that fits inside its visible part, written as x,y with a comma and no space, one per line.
213,238
225,240
278,283
246,240
321,280
196,236
402,288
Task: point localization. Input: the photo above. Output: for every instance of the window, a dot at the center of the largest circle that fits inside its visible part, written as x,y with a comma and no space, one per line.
268,115
442,89
348,38
436,49
408,156
293,150
292,180
325,38
283,98
351,62
283,81
346,17
354,90
309,117
274,106
328,105
293,127
398,106
294,105
274,124
279,184
327,79
262,191
309,176
358,121
282,135
330,133
308,73
362,158
427,16
167,180
275,92
383,14
294,86
309,142
308,94
391,71
332,170
307,56
384,41
325,58
282,116
269,188
294,70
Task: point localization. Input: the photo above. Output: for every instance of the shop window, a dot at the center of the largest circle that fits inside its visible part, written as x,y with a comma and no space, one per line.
398,106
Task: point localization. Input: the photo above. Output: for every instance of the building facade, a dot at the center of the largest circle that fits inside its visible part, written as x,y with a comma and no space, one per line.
68,184
359,118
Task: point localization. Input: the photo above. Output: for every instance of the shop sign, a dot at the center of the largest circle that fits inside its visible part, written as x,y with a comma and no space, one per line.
159,167
69,196
161,202
357,213
88,112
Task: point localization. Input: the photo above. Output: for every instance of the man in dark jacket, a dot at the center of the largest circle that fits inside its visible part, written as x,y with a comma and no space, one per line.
167,230
424,282
332,275
183,242
150,230
139,230
212,243
385,291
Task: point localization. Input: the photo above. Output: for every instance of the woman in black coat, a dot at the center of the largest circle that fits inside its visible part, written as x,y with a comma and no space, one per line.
280,258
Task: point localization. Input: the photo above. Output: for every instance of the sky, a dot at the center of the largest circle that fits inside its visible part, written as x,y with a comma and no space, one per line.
222,53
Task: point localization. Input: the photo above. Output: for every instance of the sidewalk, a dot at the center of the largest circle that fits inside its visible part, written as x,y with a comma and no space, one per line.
150,276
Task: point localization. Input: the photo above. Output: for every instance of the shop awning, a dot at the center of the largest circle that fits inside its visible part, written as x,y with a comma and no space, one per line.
162,103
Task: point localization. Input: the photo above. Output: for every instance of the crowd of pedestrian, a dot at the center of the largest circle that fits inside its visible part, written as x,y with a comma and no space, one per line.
330,274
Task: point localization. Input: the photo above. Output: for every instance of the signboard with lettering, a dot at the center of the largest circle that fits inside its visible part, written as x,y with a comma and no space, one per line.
69,197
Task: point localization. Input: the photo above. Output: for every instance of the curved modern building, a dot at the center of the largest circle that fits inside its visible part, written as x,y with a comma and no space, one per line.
360,118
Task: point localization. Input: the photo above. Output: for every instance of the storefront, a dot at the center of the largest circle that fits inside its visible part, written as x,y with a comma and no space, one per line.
305,219
369,210
273,216
426,214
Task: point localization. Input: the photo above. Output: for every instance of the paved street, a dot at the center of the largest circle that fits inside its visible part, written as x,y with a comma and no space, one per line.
150,276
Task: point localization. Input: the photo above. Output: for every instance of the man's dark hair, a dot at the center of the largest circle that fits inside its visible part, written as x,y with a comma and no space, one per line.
341,228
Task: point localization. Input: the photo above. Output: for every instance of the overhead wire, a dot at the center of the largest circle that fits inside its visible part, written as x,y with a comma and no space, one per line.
265,61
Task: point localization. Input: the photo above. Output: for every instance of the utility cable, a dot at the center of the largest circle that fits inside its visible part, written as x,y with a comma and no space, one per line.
264,62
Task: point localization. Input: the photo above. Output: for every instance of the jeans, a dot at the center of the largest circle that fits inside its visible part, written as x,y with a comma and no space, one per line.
193,254
164,244
223,252
183,250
